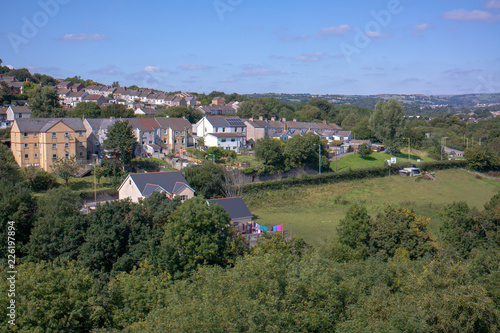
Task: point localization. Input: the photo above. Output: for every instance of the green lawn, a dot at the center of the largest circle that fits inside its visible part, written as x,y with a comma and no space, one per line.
313,212
354,161
250,159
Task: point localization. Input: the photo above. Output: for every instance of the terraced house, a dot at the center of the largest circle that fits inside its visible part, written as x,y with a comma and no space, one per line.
39,141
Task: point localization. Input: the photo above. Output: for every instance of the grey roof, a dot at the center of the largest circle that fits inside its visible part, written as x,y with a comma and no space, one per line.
235,207
146,182
177,124
100,123
225,121
20,109
44,124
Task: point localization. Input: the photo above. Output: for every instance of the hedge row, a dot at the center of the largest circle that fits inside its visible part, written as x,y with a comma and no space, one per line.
333,177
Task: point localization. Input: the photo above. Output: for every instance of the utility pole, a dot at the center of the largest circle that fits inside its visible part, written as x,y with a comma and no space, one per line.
409,151
319,158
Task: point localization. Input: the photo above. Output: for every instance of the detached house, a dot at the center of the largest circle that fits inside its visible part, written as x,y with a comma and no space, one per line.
141,185
223,132
241,218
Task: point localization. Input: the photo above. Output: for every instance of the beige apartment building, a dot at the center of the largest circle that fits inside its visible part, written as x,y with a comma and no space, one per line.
39,141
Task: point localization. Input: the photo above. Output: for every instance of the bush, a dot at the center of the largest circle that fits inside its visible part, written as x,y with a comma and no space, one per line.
334,177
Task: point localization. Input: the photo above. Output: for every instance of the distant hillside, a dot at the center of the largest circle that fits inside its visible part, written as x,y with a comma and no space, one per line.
413,103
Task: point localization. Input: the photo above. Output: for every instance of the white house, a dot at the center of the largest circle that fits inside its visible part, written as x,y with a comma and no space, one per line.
142,185
224,132
18,112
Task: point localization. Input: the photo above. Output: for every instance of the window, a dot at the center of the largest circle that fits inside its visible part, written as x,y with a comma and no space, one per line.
81,144
233,140
54,134
26,145
81,154
165,141
80,133
26,156
66,134
54,156
150,142
223,140
223,129
66,155
165,131
54,146
35,134
36,155
184,197
36,144
25,135
66,145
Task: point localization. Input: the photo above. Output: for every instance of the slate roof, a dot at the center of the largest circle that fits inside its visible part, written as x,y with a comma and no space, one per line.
44,124
100,123
152,181
235,207
20,109
177,124
223,121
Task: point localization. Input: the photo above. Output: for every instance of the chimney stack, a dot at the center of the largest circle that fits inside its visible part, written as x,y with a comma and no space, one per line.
261,118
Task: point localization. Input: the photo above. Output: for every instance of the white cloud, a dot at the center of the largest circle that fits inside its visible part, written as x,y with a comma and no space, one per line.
422,27
79,37
261,72
375,34
152,69
475,15
192,67
108,70
494,4
311,57
340,30
294,38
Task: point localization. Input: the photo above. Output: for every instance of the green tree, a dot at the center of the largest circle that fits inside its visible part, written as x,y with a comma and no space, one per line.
354,230
121,141
7,161
57,296
304,149
86,109
206,178
60,227
271,152
21,74
388,123
116,111
5,93
214,153
17,204
364,150
44,102
481,159
119,236
399,227
198,234
66,168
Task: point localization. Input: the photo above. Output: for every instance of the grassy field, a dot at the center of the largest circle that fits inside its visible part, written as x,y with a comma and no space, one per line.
354,161
313,212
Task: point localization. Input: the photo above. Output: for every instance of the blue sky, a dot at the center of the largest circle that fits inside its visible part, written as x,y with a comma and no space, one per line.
246,46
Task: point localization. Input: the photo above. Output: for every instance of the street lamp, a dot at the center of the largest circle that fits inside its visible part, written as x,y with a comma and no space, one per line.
443,147
409,151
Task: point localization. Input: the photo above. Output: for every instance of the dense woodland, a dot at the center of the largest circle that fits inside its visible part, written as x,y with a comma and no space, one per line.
159,265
